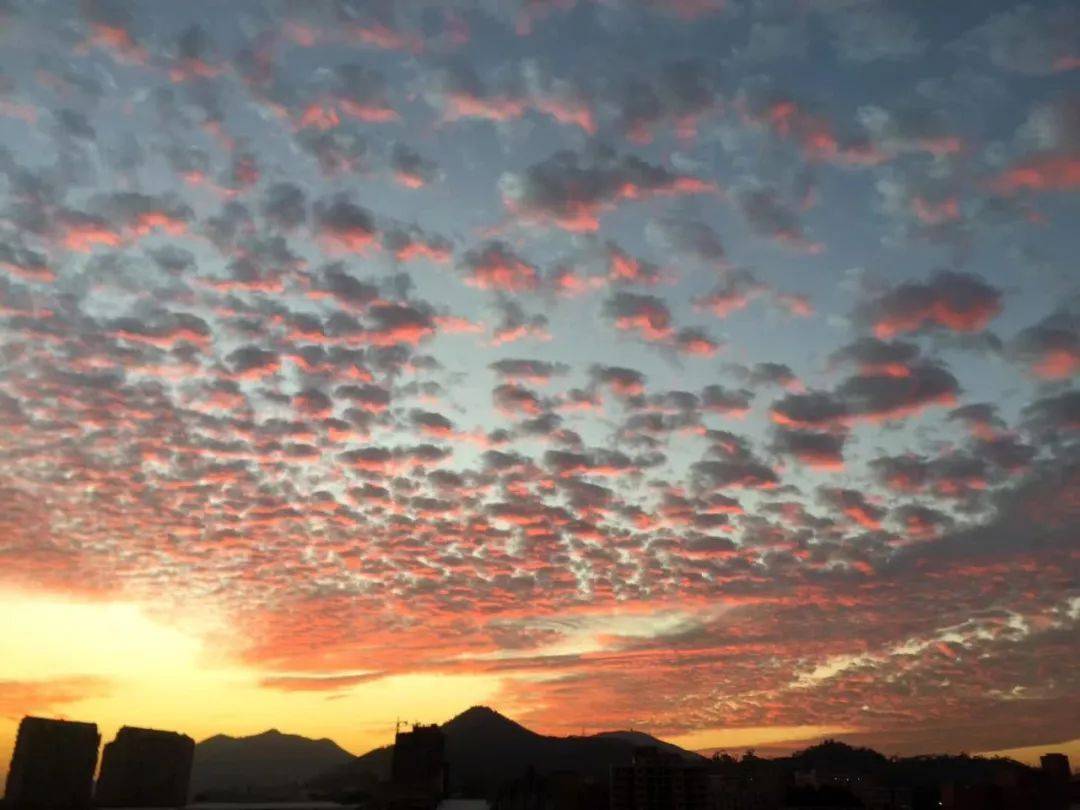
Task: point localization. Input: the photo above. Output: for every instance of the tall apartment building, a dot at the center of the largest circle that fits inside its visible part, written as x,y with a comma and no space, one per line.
144,767
52,767
657,780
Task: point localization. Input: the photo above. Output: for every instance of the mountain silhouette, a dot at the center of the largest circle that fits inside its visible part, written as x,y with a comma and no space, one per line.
839,756
640,738
484,749
262,765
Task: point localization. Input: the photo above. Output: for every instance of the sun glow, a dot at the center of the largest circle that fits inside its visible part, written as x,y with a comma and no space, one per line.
113,663
711,739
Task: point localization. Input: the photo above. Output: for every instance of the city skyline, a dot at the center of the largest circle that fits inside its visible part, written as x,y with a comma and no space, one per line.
480,752
706,367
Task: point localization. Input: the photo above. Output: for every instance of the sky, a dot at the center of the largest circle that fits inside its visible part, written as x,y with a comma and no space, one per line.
706,368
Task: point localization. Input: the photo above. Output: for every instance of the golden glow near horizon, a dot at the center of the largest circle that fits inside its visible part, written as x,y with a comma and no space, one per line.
113,664
135,670
708,739
1031,753
355,369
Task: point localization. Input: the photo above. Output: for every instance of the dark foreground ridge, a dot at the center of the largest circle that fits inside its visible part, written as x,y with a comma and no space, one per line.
484,750
481,759
491,756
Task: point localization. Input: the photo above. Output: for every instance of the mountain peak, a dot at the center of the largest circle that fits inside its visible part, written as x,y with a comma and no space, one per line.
482,719
270,758
481,712
484,748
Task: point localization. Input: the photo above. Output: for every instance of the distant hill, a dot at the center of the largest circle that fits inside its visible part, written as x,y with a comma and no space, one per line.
640,738
484,749
832,755
262,766
923,776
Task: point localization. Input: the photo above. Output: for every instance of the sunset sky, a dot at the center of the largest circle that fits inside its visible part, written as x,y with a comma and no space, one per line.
706,367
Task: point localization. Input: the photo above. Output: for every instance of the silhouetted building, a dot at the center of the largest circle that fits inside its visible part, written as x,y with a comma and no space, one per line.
1057,781
143,767
558,790
1056,766
866,788
1012,789
418,771
750,784
885,797
657,780
52,767
728,792
821,797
